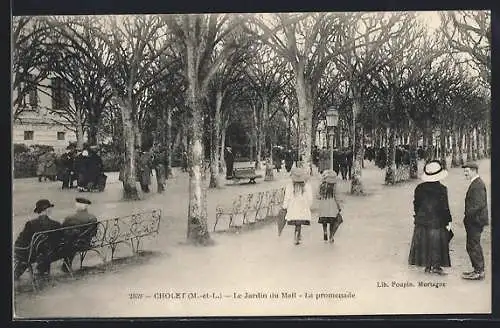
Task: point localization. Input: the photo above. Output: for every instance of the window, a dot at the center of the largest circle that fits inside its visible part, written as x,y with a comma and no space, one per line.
33,92
61,135
28,135
60,95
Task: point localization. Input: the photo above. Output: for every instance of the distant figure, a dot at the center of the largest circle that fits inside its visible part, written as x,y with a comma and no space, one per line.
21,251
144,170
475,219
229,159
430,242
297,202
158,161
47,168
289,160
269,176
82,216
329,205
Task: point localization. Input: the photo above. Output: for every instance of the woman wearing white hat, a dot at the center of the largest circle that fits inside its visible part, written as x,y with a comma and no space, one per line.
297,202
429,246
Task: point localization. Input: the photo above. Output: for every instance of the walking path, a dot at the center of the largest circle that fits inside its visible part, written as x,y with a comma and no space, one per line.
314,278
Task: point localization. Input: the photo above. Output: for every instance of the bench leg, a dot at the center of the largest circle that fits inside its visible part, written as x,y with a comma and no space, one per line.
216,220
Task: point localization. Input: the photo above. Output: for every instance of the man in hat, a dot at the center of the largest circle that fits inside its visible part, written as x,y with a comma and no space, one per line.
476,218
21,246
83,234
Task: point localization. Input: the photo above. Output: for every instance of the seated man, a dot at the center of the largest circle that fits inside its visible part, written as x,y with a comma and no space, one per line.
21,246
78,238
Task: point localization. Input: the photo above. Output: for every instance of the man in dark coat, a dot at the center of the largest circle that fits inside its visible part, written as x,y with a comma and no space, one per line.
21,246
476,218
78,238
288,160
229,159
94,168
67,163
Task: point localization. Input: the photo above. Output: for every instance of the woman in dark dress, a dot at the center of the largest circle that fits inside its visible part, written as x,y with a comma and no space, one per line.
429,246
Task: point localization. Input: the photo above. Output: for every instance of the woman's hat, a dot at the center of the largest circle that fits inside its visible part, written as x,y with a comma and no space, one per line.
83,200
434,171
329,176
42,205
299,175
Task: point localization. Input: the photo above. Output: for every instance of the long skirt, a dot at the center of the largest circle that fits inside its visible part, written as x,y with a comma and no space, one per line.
429,247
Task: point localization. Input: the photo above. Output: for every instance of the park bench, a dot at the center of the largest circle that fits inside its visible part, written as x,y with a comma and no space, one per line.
54,245
249,208
243,173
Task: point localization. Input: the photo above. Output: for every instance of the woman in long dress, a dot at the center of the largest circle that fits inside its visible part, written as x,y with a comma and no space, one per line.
430,242
297,202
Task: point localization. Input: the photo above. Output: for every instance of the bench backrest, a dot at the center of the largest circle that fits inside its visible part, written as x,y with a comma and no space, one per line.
53,243
244,170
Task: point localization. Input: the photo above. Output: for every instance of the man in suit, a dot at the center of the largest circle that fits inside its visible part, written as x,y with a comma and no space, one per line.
476,218
21,246
78,238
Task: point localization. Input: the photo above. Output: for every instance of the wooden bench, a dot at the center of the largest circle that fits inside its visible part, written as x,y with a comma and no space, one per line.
54,245
249,208
243,173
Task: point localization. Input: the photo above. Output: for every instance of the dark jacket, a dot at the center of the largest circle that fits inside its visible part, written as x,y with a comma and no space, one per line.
476,205
41,223
85,233
431,206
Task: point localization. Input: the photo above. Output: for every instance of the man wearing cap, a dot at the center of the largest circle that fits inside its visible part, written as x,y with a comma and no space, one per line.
21,246
84,234
476,218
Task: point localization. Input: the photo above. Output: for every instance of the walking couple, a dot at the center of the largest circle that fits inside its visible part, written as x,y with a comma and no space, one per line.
432,233
298,201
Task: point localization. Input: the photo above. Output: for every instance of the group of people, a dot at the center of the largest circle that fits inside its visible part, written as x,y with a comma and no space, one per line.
432,220
81,165
58,245
342,161
299,199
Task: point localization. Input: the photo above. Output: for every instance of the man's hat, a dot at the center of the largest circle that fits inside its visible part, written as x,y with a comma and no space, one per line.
472,165
434,171
42,205
83,200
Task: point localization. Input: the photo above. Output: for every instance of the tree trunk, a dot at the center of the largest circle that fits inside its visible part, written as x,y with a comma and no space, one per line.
168,145
442,145
138,136
486,144
468,145
214,154
92,131
413,153
305,119
79,130
197,228
479,148
455,161
222,167
460,146
129,170
390,173
356,181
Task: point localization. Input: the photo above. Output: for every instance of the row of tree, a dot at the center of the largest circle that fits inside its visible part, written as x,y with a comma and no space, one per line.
183,79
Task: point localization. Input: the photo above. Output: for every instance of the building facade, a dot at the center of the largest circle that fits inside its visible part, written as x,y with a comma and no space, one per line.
37,124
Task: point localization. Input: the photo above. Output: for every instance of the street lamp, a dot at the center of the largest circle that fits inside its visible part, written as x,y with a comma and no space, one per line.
332,119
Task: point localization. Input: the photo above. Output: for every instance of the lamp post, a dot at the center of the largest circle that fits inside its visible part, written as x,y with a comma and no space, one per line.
332,119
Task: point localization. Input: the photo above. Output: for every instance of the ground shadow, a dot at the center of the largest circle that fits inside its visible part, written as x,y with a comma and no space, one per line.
116,265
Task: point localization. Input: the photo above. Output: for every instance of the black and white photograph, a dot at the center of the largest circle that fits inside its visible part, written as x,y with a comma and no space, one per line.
251,164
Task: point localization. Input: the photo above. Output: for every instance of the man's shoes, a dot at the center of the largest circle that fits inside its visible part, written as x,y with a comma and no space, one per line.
468,273
427,270
475,276
438,271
